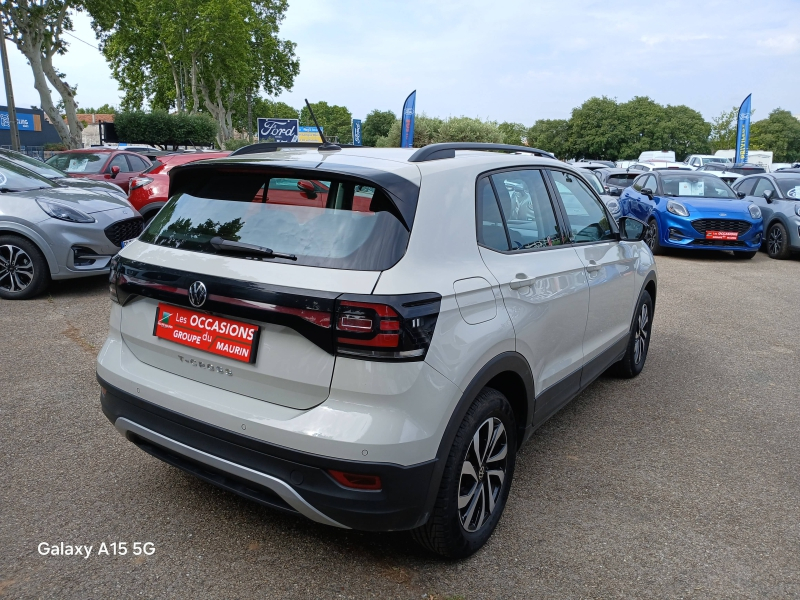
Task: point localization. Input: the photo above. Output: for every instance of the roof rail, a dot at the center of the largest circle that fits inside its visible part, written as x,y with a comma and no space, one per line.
448,150
275,146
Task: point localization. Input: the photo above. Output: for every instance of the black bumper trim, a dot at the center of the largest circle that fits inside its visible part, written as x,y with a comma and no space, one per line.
399,505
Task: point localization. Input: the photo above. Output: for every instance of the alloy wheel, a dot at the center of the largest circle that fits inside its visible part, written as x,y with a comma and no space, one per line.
651,235
482,474
775,241
16,268
640,335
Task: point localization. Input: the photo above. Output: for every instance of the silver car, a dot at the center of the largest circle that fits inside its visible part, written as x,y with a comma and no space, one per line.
611,203
60,177
778,197
52,232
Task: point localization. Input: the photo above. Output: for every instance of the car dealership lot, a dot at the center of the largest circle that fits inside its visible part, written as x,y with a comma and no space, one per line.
680,483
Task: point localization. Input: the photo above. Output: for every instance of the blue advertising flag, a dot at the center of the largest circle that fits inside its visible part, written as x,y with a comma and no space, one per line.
407,132
743,131
356,132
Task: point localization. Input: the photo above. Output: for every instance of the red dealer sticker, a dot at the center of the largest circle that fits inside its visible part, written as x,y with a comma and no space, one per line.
223,337
722,235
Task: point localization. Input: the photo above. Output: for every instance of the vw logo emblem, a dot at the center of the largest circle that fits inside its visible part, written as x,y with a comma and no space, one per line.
197,294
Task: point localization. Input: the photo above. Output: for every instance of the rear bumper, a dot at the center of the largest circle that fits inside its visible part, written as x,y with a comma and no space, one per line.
272,475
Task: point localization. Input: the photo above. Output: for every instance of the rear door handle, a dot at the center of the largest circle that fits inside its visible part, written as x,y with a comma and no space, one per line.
593,267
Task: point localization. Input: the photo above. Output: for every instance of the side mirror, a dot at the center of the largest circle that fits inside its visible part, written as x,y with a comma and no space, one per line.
307,188
614,192
647,192
740,195
114,172
631,230
768,194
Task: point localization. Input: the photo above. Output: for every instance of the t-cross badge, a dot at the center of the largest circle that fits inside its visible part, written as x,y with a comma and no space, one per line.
366,337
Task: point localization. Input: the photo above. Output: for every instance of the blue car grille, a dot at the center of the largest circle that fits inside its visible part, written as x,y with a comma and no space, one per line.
124,230
703,225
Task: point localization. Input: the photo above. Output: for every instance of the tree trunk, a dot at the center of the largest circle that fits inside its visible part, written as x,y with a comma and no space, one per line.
68,97
175,78
221,114
195,97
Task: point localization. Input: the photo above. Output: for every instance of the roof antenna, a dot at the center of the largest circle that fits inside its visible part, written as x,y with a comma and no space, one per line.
326,145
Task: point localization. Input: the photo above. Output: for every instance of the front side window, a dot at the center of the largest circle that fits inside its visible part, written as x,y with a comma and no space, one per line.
78,162
322,223
762,186
746,186
651,183
587,217
119,161
528,210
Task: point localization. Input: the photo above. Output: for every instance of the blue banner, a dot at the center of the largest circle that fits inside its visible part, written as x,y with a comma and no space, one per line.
743,131
407,131
24,121
277,130
356,132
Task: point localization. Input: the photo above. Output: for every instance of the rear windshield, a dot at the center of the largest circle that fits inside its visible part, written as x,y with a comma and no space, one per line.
688,184
330,223
623,179
78,162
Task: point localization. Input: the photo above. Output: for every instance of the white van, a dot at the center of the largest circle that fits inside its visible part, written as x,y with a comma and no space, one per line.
667,155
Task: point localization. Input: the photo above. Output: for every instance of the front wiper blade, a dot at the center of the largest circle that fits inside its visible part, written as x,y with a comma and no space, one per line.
222,245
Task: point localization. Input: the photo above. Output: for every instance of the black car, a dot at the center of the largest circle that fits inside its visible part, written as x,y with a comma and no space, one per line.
741,168
593,165
616,180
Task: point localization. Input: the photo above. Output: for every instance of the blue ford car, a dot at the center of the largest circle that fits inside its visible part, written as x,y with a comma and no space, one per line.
690,209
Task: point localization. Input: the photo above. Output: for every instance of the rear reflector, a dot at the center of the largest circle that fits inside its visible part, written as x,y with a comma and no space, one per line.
356,481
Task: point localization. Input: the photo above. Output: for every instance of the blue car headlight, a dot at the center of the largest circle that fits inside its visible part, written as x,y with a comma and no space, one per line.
676,208
755,212
63,212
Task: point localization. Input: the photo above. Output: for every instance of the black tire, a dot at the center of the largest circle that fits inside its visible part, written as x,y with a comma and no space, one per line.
447,530
744,255
23,270
778,242
652,237
639,343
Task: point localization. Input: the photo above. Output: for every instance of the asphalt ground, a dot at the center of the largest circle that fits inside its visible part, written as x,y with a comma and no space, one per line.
682,483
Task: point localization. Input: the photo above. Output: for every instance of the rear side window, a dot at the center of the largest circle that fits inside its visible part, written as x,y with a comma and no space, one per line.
585,213
491,230
137,163
335,223
528,210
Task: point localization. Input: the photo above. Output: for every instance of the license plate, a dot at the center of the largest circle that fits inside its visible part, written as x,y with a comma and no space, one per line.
208,333
722,235
126,242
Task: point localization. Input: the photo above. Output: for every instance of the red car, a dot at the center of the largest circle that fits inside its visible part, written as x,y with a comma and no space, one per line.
103,164
149,191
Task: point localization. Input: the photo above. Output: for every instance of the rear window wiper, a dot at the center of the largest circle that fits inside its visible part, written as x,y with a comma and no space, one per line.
222,245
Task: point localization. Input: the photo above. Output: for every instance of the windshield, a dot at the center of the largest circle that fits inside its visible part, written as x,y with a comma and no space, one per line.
714,159
790,187
33,164
693,184
14,178
78,162
334,224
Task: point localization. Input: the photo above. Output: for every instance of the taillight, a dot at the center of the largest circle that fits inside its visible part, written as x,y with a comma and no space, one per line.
138,182
357,481
385,327
112,280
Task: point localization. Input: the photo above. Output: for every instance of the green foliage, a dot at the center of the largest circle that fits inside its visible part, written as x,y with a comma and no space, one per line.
55,147
431,130
552,135
723,130
426,130
159,128
262,107
334,120
780,133
105,109
513,133
235,144
376,125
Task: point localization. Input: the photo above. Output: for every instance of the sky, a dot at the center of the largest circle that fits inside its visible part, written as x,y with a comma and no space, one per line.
511,60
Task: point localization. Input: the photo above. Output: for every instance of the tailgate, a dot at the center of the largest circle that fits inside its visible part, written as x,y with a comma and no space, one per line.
293,347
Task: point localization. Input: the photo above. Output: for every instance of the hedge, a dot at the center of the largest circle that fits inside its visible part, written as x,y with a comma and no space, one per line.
159,128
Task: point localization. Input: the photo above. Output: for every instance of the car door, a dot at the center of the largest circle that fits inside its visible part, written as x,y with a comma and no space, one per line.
610,268
123,178
756,195
542,280
645,205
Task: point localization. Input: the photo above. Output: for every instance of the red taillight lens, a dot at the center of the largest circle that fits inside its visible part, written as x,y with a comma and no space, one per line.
389,328
356,481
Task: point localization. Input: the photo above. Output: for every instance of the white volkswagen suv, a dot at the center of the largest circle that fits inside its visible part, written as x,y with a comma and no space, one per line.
367,336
